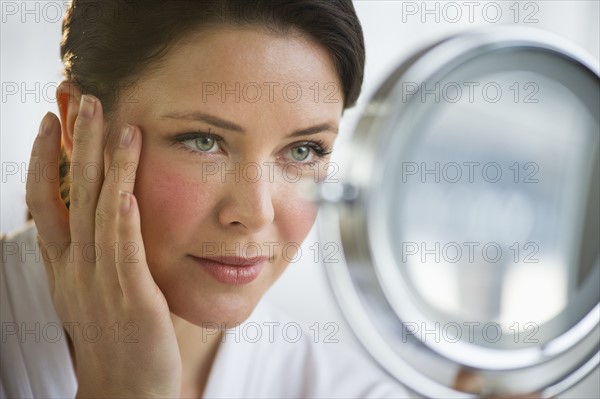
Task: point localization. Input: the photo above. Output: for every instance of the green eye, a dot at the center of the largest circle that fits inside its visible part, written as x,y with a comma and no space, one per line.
200,142
204,143
300,153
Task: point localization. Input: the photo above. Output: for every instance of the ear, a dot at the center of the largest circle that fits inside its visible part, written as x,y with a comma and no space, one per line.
68,97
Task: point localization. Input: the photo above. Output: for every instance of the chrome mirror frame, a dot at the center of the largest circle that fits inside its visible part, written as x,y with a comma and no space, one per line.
353,211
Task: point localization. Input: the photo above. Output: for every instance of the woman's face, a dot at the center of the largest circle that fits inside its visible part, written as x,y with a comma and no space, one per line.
233,122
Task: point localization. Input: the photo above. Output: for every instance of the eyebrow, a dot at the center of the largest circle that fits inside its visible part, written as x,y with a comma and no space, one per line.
234,127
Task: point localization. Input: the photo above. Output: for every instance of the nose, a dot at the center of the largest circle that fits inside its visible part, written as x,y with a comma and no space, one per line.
247,204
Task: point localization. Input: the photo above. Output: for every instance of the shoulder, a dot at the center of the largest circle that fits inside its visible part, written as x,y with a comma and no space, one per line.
278,357
33,341
21,261
22,269
26,233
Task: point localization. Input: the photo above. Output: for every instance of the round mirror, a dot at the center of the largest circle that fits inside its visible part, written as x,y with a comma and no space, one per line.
467,207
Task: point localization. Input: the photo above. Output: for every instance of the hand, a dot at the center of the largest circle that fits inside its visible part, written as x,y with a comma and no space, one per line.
467,381
115,315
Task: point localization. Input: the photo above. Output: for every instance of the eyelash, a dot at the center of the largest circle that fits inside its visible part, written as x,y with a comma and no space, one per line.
320,149
181,139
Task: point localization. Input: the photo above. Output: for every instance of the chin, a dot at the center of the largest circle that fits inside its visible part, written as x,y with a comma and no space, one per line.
221,310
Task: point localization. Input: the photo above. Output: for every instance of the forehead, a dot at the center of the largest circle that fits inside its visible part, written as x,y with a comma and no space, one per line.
244,71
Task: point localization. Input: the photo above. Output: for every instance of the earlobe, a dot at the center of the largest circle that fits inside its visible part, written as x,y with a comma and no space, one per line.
68,96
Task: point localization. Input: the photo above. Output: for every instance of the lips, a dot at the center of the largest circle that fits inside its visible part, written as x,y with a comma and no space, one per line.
232,270
236,261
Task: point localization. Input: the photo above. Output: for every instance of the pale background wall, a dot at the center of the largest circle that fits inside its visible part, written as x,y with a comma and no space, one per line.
30,71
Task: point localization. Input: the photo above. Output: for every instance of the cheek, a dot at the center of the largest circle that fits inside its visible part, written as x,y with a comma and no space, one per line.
295,215
171,202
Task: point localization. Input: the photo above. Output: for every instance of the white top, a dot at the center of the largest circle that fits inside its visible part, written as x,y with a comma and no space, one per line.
269,355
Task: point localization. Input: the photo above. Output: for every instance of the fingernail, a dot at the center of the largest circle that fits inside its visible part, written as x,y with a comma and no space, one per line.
87,106
124,201
45,125
126,136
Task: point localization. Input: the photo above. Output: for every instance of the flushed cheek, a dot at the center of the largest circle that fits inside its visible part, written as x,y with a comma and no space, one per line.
172,204
296,216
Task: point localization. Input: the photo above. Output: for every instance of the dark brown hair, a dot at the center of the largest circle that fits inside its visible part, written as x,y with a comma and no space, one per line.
107,43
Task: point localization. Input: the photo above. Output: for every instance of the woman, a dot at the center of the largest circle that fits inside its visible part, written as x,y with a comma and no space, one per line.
186,130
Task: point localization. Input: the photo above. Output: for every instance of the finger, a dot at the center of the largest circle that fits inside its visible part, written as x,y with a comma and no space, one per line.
119,177
87,169
49,213
47,264
135,279
468,381
134,275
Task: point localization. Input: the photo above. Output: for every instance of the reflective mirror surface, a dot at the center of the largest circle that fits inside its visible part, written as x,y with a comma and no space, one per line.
471,232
